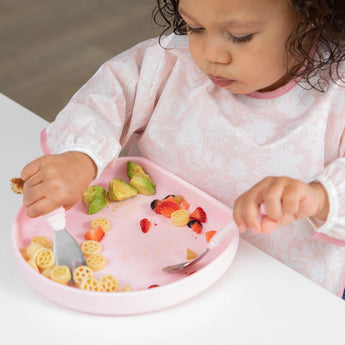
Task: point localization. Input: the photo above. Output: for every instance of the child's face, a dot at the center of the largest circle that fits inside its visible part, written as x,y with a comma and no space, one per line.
240,41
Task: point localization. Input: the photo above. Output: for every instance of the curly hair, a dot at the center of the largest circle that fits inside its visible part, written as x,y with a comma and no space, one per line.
321,25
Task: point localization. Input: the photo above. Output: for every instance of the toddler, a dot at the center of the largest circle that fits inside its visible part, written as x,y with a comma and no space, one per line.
245,100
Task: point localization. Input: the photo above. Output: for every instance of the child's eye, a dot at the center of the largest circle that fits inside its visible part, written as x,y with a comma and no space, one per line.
192,30
240,39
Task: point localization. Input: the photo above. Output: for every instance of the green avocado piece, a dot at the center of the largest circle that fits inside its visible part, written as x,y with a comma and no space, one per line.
143,184
136,169
120,190
94,198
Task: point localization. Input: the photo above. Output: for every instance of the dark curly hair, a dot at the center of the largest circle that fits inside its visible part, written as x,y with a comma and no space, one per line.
321,25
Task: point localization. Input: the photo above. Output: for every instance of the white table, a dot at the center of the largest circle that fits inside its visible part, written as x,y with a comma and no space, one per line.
257,301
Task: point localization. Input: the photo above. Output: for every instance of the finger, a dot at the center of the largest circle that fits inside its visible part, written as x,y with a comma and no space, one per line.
40,208
242,226
292,196
32,181
268,225
30,169
272,199
33,195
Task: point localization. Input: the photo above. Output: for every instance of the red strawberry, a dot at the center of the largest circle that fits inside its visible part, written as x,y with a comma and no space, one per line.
199,214
195,225
145,225
95,234
209,235
166,208
153,286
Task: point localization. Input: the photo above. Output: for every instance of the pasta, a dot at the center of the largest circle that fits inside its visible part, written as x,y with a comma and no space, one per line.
180,217
109,283
32,249
44,258
101,222
90,284
60,274
91,247
42,240
80,273
96,262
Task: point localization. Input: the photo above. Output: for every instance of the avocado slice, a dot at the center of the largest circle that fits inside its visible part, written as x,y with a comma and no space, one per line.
134,169
120,190
143,184
94,198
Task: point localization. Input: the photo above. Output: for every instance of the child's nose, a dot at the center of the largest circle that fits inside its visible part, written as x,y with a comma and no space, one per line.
216,52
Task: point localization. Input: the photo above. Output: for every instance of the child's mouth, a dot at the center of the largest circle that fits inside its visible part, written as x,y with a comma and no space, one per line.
219,81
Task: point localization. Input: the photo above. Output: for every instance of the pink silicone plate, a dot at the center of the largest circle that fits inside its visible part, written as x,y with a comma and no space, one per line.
133,257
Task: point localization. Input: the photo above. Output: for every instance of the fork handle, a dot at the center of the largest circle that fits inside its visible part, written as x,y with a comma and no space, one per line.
57,219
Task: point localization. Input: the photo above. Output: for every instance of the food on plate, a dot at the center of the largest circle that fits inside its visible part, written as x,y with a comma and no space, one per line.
153,286
209,235
135,169
180,217
182,202
94,198
102,222
165,206
109,283
81,273
42,240
33,264
139,179
91,247
143,185
120,190
95,234
191,254
90,284
96,262
145,225
45,258
199,214
32,249
195,225
127,288
60,274
17,185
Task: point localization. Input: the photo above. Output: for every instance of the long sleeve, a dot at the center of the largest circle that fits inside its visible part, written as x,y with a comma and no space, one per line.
333,176
116,102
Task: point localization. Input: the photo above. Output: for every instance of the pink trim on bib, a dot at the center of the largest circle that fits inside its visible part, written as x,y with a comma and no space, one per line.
44,145
328,239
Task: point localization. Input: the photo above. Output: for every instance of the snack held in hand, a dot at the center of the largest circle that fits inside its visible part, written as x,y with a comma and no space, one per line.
120,190
139,179
94,198
17,185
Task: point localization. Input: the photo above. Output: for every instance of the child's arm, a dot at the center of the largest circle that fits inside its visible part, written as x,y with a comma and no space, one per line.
56,180
285,200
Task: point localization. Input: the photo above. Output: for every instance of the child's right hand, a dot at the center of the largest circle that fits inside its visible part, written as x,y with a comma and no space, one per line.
56,180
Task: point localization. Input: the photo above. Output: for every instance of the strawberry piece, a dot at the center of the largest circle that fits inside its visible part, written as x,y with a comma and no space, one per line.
195,225
95,234
199,214
145,225
209,235
166,208
153,286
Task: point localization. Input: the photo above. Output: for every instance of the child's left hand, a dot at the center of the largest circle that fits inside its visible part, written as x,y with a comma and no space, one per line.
285,201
